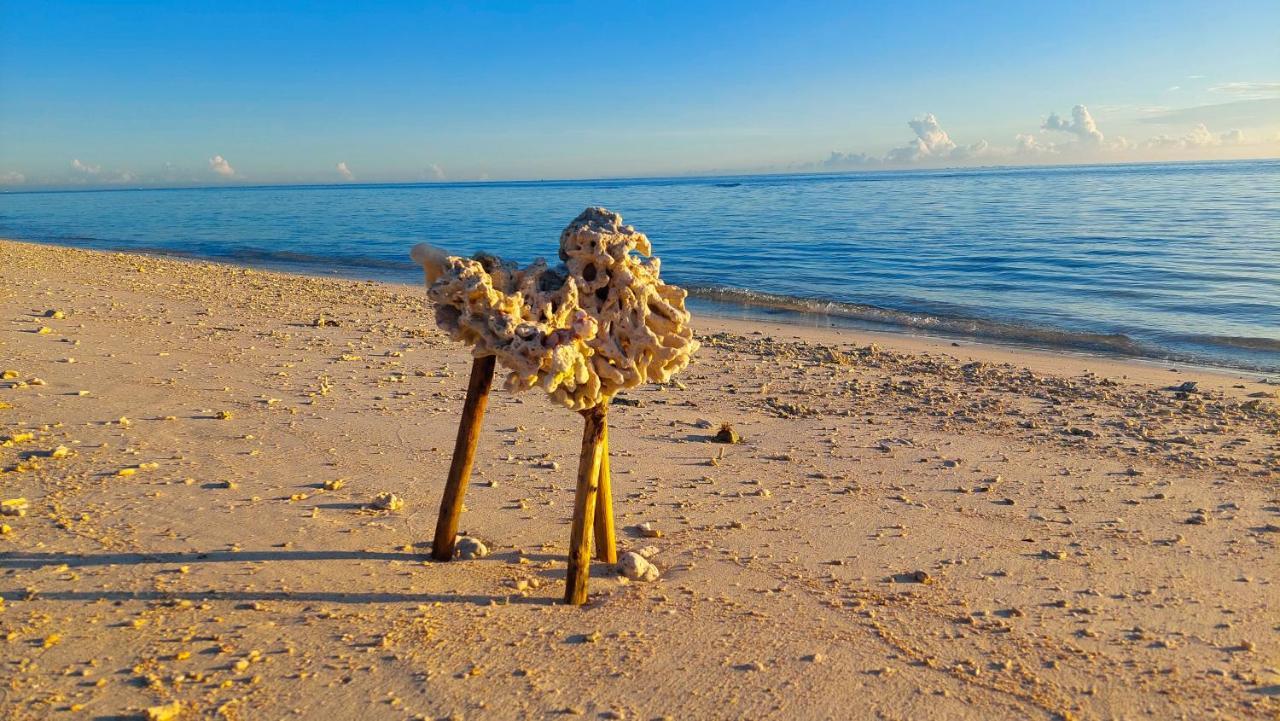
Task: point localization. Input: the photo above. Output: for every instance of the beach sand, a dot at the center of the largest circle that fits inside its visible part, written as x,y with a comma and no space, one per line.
912,529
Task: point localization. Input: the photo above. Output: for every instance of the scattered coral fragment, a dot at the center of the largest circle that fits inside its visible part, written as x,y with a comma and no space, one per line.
16,438
726,434
637,567
167,712
468,548
387,502
13,507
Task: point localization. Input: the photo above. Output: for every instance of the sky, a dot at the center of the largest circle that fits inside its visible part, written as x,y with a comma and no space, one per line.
192,93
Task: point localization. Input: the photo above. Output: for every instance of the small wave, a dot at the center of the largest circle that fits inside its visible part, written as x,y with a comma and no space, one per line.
256,255
1266,345
945,325
727,185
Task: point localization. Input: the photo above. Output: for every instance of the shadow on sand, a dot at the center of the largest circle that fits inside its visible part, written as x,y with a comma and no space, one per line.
22,560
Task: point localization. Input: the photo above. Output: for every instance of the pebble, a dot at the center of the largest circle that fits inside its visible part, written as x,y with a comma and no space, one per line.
726,434
637,567
387,502
468,548
166,712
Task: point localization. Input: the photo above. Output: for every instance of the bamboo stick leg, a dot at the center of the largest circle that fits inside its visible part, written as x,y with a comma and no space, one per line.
606,541
464,452
584,507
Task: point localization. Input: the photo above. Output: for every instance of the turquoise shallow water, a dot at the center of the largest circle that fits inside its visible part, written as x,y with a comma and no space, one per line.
1161,261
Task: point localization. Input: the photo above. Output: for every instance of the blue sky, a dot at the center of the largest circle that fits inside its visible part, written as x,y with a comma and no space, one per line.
137,93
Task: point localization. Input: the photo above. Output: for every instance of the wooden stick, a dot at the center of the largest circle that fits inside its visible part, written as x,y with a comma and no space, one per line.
605,539
464,453
584,507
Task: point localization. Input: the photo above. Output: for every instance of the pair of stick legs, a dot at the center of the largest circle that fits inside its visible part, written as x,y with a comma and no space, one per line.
593,501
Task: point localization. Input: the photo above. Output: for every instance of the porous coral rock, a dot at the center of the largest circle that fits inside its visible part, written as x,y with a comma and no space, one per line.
601,322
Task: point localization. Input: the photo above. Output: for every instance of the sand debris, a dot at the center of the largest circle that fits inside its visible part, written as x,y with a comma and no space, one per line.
726,434
469,548
387,502
166,712
13,507
637,568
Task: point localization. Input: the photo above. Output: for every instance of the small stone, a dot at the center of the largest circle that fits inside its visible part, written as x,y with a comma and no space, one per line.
1053,555
223,415
167,712
647,530
387,502
637,568
13,507
468,548
334,484
726,434
921,577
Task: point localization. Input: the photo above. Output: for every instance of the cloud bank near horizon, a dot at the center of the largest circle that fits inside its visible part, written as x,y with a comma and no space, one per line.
1059,139
1199,133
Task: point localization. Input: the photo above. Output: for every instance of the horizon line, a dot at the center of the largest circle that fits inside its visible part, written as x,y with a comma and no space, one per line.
696,175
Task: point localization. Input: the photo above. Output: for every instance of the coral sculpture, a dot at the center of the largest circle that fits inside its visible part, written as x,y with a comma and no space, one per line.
598,323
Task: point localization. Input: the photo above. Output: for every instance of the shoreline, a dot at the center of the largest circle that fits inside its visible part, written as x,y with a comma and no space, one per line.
721,310
908,529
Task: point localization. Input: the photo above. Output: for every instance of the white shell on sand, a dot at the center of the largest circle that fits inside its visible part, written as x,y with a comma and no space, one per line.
601,322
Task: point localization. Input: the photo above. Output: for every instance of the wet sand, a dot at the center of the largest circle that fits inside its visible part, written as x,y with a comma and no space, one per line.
910,528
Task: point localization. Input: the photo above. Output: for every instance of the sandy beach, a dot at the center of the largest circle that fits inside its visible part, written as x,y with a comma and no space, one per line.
911,528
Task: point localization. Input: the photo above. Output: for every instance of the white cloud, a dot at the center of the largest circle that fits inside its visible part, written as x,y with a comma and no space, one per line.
85,167
1028,144
849,160
931,141
219,165
1198,137
345,172
435,171
12,177
933,146
1248,90
1081,125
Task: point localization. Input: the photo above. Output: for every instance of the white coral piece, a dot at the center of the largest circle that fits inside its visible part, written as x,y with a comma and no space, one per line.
637,568
601,322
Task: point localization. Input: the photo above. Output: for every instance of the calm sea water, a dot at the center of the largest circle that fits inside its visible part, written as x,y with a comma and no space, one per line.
1162,261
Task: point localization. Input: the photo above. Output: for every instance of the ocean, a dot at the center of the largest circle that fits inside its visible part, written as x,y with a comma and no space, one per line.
1178,262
